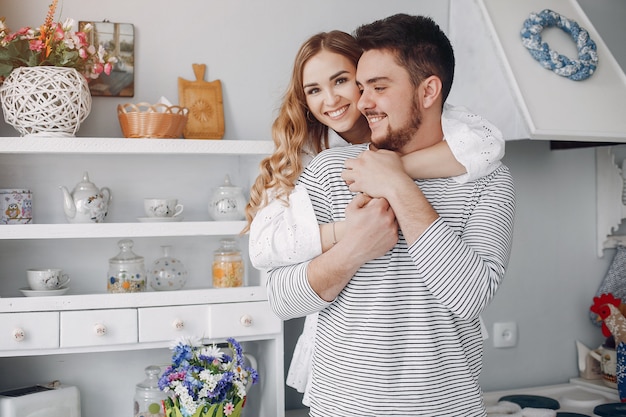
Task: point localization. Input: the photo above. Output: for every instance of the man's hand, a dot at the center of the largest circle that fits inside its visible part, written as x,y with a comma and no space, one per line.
370,227
381,174
370,230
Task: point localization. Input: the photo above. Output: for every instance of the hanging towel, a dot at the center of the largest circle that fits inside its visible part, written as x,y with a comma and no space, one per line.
615,280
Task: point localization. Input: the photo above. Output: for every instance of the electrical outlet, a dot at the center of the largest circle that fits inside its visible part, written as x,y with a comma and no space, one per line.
505,334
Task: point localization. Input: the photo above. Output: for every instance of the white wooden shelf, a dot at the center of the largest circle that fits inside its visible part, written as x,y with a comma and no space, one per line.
77,145
128,230
186,296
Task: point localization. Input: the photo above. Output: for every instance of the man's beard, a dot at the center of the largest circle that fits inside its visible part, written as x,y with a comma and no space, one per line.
397,139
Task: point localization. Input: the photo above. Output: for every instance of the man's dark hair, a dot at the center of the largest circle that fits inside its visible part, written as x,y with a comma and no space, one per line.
418,44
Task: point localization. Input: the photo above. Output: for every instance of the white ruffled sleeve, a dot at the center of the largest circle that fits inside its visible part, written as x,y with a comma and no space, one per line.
281,235
476,143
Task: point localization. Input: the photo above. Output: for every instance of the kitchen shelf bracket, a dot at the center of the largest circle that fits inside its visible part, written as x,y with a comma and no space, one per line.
610,208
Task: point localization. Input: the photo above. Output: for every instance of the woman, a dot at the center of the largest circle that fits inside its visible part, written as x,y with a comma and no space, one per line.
319,111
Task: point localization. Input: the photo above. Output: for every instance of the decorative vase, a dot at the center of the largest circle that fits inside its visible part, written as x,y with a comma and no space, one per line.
45,101
212,410
167,272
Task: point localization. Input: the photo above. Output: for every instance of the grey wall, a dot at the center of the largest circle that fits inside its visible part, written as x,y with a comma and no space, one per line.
554,272
249,45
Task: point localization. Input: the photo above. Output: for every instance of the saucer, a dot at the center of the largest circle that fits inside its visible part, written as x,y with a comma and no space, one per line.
42,293
159,219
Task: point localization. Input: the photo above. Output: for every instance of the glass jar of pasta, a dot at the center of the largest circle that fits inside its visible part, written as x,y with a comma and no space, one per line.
228,268
127,272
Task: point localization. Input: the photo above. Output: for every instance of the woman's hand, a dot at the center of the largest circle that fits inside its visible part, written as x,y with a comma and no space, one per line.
370,228
375,172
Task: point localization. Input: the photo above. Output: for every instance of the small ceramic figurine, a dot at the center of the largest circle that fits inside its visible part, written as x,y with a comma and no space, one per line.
86,203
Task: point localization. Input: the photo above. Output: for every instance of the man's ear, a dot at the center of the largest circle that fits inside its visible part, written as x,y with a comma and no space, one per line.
430,91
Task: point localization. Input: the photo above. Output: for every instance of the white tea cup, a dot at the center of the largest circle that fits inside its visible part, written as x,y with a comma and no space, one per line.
42,279
162,207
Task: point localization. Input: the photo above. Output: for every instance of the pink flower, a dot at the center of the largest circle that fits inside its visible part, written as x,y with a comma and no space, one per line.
228,409
23,32
36,45
59,34
56,44
82,38
98,68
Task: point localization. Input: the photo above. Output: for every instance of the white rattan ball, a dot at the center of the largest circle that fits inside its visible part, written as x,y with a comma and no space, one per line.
45,101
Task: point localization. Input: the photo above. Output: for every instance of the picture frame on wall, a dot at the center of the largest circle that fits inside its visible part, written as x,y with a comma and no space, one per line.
119,40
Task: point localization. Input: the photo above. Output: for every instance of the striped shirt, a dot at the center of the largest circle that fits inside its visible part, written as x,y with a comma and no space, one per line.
403,337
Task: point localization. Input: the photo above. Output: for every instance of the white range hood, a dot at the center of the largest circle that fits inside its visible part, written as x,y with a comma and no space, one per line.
498,78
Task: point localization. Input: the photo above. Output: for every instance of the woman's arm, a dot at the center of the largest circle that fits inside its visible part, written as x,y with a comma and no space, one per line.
472,148
476,143
283,235
436,161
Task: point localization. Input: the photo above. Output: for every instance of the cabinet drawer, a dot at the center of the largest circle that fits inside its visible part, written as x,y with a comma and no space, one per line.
242,319
169,323
98,327
29,330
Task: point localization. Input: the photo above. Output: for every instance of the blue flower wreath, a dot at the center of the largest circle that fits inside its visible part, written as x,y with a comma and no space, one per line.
576,70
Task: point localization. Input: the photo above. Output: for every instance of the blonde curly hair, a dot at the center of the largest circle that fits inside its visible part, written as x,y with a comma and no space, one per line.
295,131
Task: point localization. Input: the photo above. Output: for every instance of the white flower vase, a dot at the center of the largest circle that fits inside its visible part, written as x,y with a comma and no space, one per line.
45,101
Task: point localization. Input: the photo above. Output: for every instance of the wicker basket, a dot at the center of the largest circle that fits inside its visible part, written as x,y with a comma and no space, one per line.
144,120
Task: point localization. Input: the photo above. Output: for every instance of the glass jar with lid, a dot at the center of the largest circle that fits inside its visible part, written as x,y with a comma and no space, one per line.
228,202
127,272
148,396
228,268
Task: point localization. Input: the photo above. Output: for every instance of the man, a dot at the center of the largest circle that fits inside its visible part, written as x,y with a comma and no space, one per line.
400,294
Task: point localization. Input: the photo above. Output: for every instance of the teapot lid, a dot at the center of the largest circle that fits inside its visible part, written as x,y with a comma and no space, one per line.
85,184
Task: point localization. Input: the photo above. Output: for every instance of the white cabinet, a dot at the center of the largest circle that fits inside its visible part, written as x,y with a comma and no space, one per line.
22,331
498,78
98,327
89,321
158,324
242,320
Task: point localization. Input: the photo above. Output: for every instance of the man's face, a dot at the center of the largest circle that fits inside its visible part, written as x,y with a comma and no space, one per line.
388,100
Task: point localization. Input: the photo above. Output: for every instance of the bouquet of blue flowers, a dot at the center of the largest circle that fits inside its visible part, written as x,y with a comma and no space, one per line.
205,381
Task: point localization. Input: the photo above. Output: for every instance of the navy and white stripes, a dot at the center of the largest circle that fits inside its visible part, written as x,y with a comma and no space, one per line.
403,337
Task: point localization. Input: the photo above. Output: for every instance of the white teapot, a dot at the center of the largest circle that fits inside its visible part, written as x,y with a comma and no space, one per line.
86,203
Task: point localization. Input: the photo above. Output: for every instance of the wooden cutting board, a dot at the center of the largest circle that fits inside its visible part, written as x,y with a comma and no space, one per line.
204,101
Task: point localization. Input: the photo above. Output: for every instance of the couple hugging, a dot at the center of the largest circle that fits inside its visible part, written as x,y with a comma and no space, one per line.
385,217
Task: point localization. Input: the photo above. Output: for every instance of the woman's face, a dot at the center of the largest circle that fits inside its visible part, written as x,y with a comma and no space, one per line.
332,94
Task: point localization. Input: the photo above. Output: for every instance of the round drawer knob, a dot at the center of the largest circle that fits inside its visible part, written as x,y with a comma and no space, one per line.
100,329
19,335
246,320
179,324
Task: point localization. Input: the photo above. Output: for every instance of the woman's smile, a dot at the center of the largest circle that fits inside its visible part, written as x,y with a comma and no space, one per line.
336,114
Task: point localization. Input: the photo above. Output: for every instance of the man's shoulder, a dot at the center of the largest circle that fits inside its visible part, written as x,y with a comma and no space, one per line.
500,179
344,150
340,153
503,172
